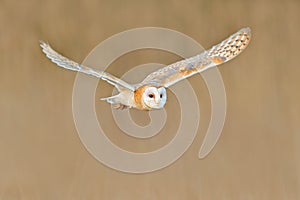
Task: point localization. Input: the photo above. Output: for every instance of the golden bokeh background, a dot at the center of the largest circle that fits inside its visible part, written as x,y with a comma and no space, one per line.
257,156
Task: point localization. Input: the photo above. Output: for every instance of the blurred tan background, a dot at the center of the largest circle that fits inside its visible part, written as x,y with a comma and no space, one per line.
257,156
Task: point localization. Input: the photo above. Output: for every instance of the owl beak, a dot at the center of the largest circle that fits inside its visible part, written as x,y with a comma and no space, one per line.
157,101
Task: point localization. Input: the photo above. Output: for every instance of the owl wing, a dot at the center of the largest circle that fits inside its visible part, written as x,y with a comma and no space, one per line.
69,64
218,54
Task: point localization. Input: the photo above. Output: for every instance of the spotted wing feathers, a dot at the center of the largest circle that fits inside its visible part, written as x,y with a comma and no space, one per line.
231,47
218,54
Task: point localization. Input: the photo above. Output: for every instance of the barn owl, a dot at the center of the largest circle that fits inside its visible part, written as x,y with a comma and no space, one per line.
151,94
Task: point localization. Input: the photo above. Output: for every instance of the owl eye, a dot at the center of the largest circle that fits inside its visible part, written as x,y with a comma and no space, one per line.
161,95
151,96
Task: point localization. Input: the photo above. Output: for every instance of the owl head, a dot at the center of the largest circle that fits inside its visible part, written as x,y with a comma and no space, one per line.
154,98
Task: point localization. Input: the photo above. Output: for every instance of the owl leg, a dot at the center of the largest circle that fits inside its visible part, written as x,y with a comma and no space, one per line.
119,106
114,100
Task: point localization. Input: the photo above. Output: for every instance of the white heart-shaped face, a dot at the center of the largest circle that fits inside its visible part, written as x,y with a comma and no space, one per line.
155,98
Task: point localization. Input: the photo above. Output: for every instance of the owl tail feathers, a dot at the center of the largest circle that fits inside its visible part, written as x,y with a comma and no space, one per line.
115,102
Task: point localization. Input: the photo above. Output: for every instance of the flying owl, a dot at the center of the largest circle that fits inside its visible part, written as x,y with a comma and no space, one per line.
151,94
